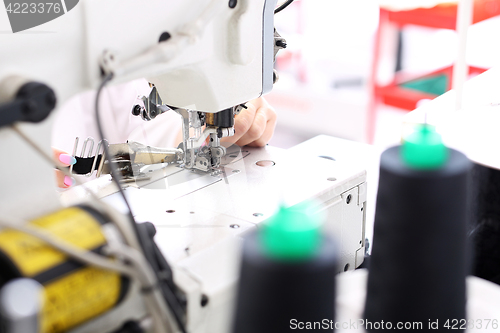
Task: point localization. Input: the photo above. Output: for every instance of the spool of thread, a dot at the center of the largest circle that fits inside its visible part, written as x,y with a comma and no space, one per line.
418,263
287,276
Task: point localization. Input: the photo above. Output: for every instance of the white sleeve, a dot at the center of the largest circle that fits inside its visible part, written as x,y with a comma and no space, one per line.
76,118
160,132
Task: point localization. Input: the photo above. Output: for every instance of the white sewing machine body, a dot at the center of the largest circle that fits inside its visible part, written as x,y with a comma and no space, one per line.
219,65
201,218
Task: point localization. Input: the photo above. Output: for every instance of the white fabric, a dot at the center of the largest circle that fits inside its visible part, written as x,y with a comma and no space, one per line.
77,118
397,5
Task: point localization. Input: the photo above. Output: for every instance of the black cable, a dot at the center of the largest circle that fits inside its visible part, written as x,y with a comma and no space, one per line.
112,168
283,6
142,237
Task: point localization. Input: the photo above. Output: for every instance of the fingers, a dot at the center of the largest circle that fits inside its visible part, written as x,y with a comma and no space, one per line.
270,125
62,157
63,160
63,181
255,130
243,122
268,132
261,130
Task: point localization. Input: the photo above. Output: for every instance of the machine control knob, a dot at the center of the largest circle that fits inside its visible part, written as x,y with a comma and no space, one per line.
136,110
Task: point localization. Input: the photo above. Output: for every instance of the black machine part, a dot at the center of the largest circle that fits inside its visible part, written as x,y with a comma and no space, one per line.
33,103
130,327
224,118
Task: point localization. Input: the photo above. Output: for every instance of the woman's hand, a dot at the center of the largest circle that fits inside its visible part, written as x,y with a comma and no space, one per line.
64,161
255,125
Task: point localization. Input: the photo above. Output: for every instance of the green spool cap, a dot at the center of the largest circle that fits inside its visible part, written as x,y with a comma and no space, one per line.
423,149
292,234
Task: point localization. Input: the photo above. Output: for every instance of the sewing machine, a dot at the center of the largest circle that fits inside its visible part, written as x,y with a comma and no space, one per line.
204,62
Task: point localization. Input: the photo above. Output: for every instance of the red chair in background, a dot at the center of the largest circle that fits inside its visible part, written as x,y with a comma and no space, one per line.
399,92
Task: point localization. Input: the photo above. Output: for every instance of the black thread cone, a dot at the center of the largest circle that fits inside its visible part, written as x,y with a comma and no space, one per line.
418,263
272,293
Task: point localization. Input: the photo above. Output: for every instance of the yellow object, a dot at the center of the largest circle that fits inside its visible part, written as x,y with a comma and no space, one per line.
79,297
73,293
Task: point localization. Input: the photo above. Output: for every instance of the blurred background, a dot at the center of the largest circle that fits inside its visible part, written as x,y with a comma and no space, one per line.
331,82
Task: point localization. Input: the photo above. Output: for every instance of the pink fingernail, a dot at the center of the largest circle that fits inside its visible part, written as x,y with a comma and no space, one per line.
67,159
68,181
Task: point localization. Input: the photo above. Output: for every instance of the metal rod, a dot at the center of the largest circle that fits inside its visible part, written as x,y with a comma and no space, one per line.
461,69
74,153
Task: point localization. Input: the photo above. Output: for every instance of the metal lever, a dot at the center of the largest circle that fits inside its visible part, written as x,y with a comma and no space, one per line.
153,106
129,157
